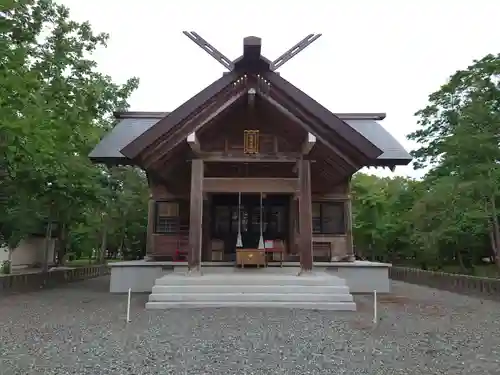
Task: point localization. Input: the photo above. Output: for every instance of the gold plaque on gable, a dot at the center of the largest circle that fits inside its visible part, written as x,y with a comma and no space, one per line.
251,142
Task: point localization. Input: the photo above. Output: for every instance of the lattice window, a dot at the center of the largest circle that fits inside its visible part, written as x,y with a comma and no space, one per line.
328,218
167,217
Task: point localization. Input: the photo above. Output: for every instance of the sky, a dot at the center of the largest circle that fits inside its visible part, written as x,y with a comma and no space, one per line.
374,56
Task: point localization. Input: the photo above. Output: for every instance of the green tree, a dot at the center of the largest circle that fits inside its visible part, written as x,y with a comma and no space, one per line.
381,216
459,141
54,107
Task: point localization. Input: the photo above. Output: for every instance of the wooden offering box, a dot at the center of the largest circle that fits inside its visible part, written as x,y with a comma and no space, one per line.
253,257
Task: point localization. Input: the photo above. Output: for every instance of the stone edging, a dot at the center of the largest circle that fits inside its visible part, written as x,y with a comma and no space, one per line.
463,284
28,282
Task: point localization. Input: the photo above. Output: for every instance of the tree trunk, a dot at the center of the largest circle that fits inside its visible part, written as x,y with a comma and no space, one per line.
104,240
119,252
493,257
460,260
48,239
7,269
62,242
495,232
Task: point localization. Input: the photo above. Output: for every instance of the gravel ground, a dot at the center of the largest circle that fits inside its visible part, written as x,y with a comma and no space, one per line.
80,329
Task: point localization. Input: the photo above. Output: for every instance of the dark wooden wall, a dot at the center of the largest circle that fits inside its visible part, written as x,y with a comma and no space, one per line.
277,136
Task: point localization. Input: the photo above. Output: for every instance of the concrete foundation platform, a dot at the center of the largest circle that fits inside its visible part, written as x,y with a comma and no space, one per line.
140,276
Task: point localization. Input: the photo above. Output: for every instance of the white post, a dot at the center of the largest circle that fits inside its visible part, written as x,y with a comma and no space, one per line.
374,307
128,305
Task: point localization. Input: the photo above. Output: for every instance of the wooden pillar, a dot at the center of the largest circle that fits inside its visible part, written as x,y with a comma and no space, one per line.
205,242
150,229
305,216
292,226
348,224
196,215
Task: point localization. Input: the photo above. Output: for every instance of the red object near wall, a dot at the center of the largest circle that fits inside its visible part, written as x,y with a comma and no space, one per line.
180,255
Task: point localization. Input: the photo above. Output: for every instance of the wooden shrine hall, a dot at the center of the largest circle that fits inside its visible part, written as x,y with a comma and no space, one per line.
251,170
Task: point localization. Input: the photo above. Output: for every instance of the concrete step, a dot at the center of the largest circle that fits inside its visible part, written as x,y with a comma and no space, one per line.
252,288
249,297
337,306
300,289
250,279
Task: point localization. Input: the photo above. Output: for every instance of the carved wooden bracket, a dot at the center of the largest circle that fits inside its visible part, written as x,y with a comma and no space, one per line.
192,141
309,143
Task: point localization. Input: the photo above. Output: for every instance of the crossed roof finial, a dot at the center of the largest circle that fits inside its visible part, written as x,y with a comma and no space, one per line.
251,51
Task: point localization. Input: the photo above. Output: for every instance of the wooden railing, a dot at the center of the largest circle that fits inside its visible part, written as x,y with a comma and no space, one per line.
168,245
32,281
322,249
463,284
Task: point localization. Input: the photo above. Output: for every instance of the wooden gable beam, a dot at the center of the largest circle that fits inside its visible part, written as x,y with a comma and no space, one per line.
165,149
167,167
307,127
160,177
249,185
211,112
355,160
322,152
327,178
237,157
179,115
330,170
195,116
337,167
310,124
343,129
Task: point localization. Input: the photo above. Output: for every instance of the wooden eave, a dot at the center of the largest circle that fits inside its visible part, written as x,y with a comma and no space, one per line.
326,124
163,149
174,119
343,161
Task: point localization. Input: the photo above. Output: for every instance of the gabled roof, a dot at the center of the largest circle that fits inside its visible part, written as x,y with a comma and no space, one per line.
131,125
149,140
256,69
